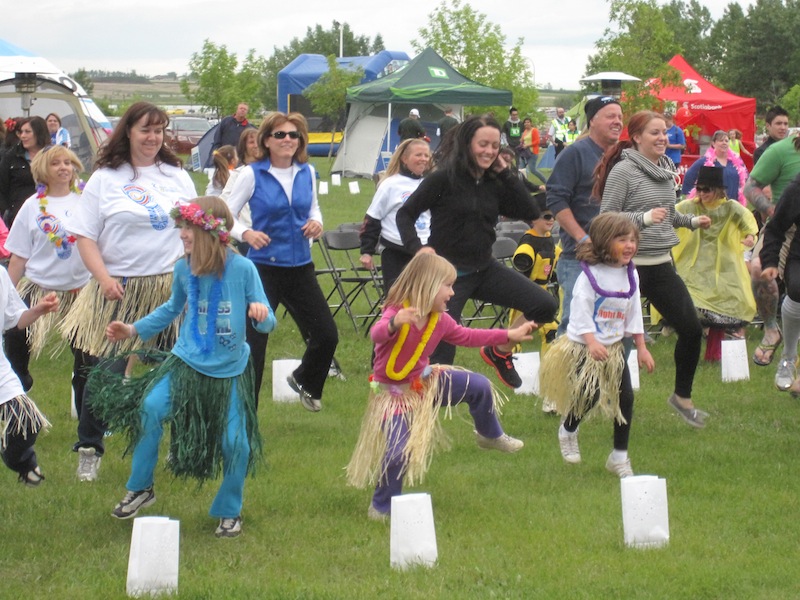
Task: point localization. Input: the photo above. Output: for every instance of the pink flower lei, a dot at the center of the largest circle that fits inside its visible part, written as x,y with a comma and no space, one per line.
192,214
52,233
711,156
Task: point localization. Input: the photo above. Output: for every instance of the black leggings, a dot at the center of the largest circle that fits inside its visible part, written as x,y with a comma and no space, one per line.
18,454
502,286
666,291
622,431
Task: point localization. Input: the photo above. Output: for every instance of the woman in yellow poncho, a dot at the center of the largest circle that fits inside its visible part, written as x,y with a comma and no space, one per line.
711,263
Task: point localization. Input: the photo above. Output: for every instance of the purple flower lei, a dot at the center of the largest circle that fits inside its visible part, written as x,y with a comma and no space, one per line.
606,294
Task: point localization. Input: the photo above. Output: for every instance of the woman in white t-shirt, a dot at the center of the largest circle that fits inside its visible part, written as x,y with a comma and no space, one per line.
44,258
403,175
129,244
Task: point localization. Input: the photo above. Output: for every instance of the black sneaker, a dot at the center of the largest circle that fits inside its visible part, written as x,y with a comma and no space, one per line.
229,528
132,502
503,364
308,402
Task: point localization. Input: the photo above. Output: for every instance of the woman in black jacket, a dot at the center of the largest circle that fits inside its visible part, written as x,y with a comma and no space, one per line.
16,181
468,190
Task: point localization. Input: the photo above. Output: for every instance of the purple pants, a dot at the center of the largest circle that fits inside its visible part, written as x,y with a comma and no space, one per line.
460,386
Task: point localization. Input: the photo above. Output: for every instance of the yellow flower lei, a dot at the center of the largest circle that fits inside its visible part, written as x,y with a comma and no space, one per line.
433,319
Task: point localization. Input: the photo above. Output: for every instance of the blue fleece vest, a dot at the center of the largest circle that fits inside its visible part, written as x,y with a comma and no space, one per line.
280,220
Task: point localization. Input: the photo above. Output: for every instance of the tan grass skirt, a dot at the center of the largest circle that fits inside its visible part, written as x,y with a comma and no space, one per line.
39,331
19,415
419,409
91,313
571,378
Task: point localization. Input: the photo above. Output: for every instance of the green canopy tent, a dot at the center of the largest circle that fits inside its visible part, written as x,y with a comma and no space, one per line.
427,83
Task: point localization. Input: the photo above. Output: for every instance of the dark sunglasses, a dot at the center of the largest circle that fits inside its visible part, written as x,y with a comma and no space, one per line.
702,188
279,135
548,217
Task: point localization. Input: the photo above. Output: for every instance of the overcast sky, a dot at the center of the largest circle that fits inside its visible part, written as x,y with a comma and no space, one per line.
158,36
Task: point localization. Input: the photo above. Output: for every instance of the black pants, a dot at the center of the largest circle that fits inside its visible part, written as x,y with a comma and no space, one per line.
392,264
91,429
622,431
297,289
19,455
15,342
499,285
666,291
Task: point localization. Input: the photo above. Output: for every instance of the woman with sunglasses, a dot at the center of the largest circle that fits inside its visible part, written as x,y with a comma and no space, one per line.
636,178
711,263
281,191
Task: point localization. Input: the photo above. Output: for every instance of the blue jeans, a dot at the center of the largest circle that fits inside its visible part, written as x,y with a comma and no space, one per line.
568,270
156,408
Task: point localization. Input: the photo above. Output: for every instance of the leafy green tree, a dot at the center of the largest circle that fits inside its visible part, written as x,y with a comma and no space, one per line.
641,44
327,95
723,36
215,83
82,78
316,41
762,60
213,71
691,23
791,102
477,48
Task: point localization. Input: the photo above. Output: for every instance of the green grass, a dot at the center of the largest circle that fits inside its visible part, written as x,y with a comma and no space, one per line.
508,526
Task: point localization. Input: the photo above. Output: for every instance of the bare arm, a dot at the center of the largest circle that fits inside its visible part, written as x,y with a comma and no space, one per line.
90,254
16,268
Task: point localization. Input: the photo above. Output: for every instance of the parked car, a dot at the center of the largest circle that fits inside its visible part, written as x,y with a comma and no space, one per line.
183,133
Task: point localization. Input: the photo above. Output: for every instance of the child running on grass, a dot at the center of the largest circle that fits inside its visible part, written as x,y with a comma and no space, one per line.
204,389
587,366
400,429
20,419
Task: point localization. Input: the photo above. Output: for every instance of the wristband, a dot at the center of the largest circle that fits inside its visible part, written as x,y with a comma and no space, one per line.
583,239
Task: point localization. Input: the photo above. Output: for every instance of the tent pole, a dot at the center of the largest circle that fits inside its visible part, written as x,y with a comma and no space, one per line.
389,129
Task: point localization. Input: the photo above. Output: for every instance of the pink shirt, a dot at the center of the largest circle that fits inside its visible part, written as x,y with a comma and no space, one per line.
446,329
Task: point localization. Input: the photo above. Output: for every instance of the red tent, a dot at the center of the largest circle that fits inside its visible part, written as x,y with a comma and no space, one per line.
706,106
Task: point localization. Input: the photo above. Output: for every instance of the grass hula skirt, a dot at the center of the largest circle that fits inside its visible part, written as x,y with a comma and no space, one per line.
39,330
197,418
91,313
418,405
571,378
18,416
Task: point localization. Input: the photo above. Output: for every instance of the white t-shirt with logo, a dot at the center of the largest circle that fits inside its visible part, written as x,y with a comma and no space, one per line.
609,319
49,265
129,218
390,196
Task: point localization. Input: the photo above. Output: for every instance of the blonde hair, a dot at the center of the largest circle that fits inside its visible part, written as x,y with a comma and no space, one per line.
276,119
605,228
208,254
420,282
41,162
399,153
224,159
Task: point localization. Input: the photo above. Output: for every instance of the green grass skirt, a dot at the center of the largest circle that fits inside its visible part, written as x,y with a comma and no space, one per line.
197,417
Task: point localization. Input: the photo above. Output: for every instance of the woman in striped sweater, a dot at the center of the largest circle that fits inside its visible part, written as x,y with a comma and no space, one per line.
637,179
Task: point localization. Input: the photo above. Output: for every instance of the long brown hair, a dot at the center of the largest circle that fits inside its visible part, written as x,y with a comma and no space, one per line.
613,155
117,150
602,232
224,159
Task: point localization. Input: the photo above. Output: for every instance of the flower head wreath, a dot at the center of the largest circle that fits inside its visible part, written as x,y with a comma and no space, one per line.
192,214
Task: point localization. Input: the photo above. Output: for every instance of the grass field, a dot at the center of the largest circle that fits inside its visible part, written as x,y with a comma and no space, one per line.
508,526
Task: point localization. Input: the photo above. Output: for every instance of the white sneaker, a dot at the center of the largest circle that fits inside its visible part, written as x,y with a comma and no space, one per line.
504,443
568,443
229,528
88,464
785,375
549,407
620,469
